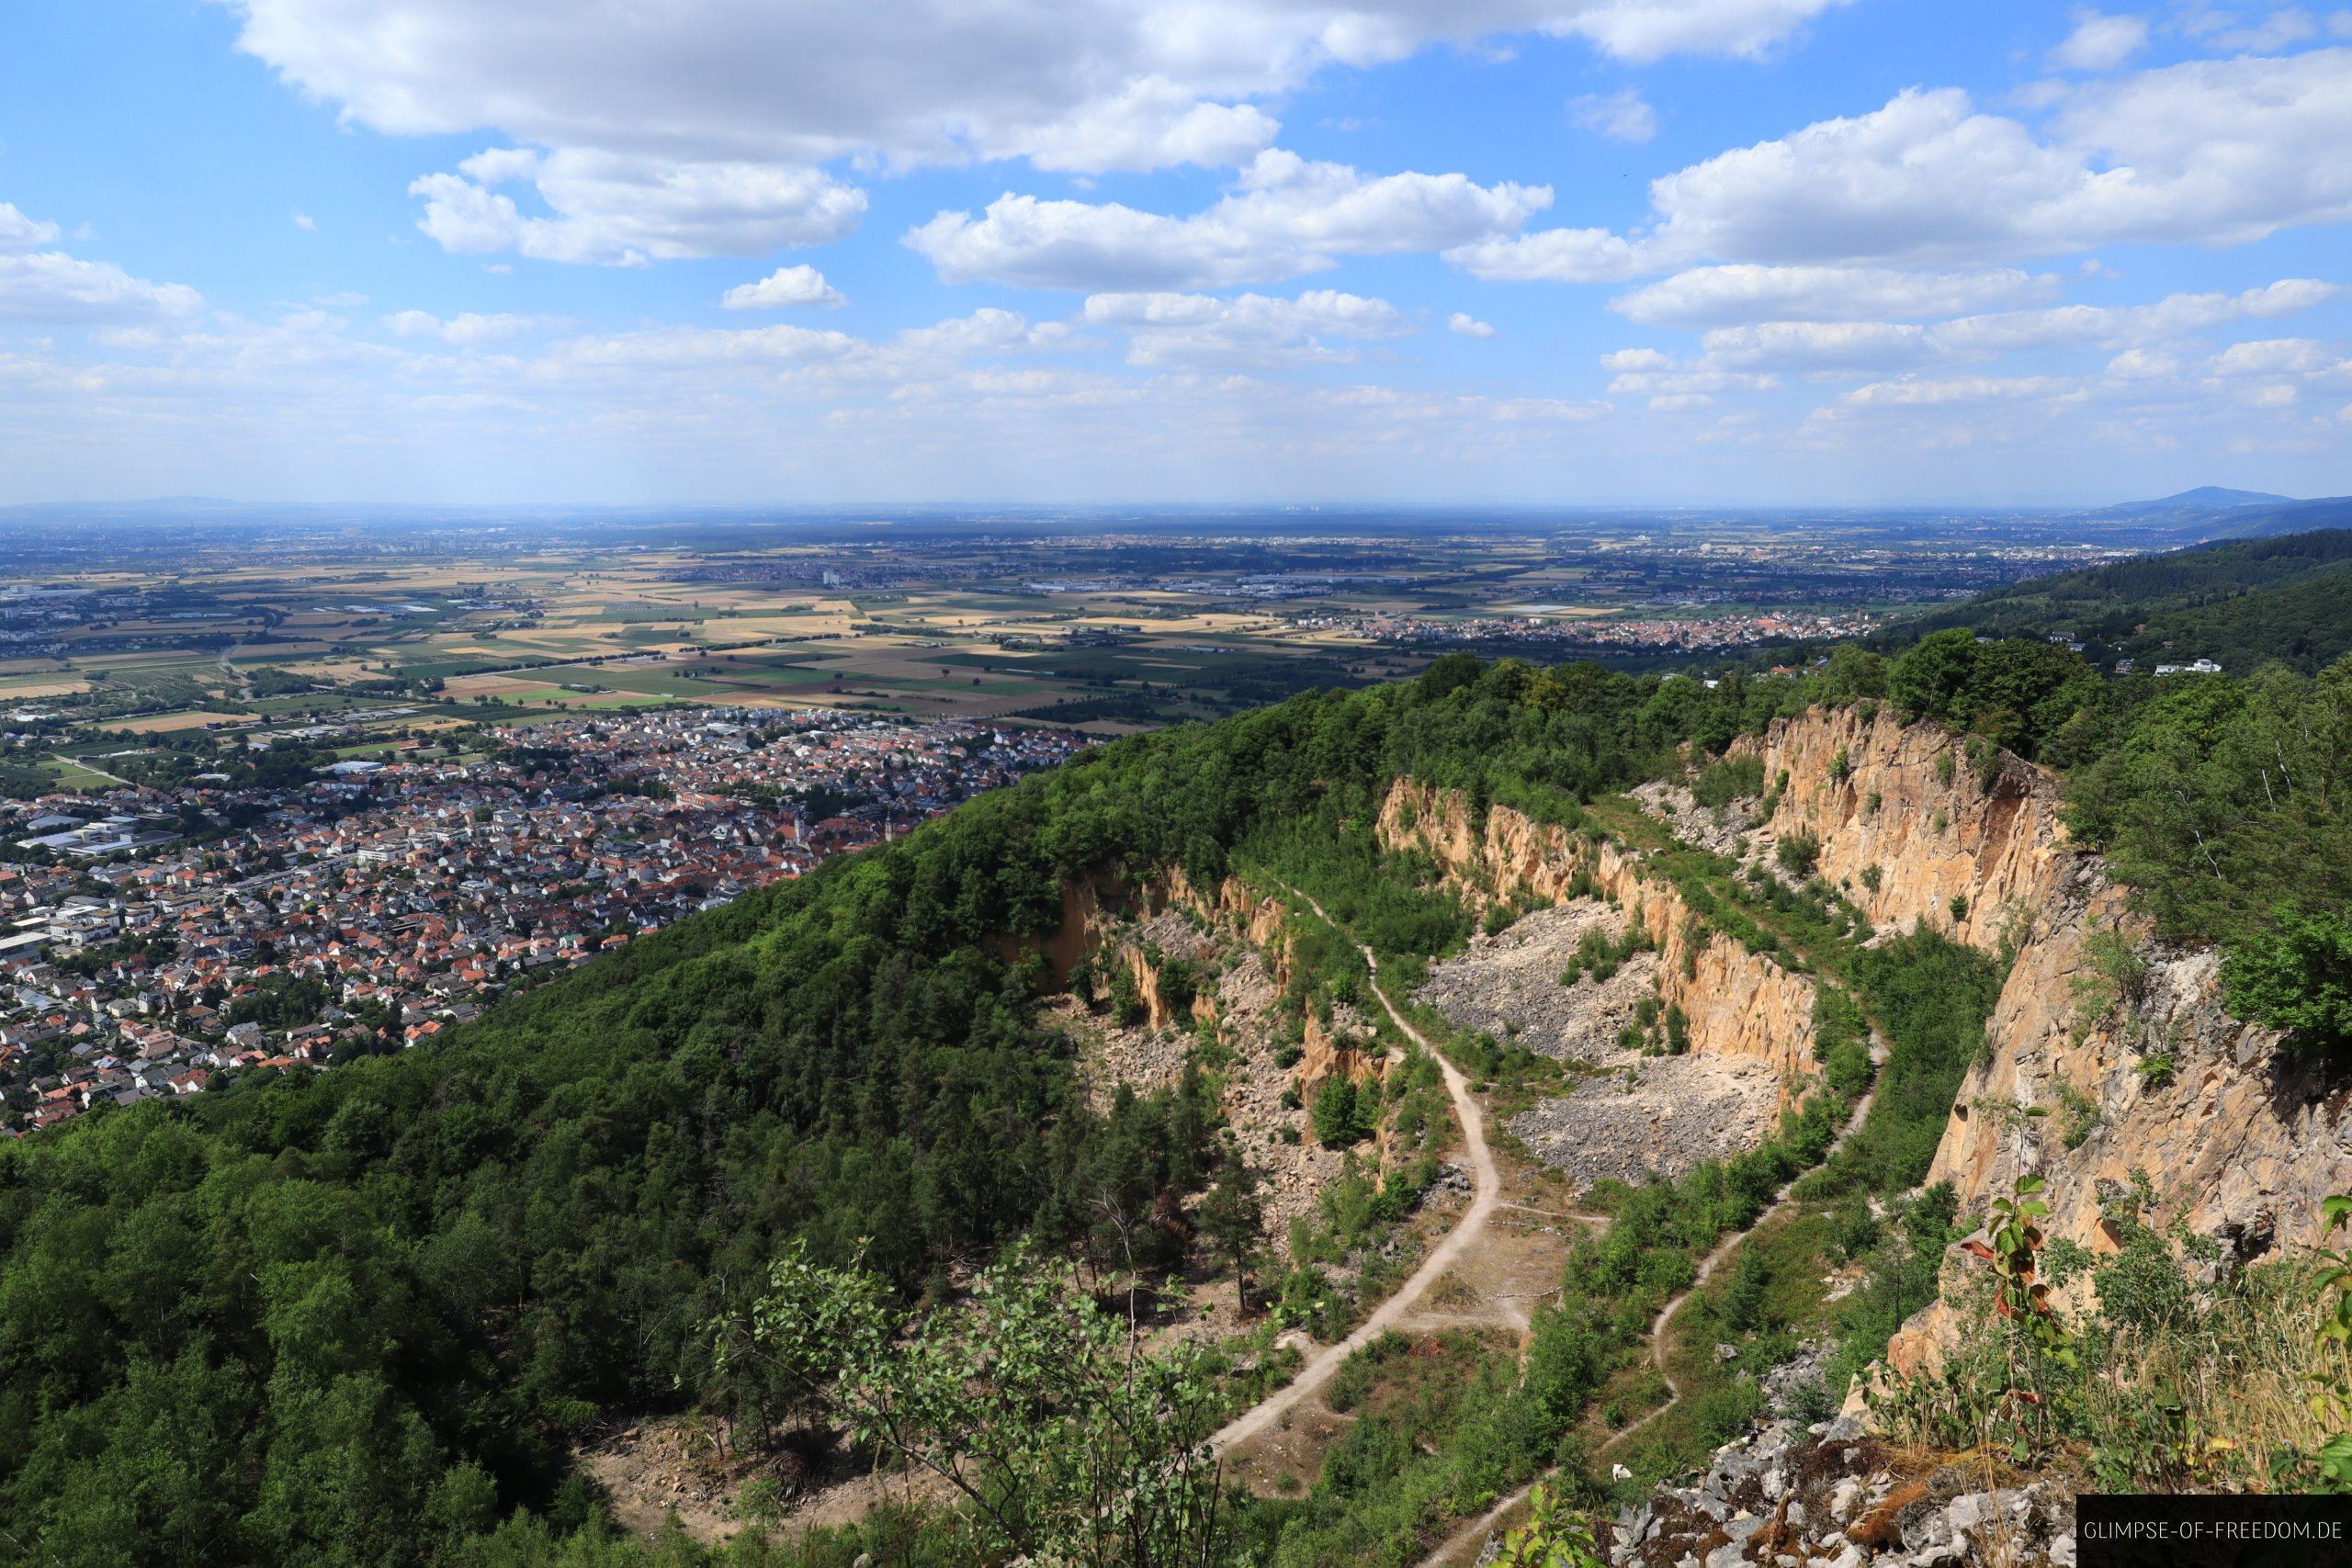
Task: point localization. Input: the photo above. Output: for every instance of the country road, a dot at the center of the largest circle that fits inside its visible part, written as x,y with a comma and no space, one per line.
1485,1197
1472,1536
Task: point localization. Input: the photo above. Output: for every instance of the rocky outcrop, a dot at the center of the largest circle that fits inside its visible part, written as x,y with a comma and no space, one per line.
1907,801
1146,927
1740,1004
1830,1494
1344,1047
2239,1140
1148,950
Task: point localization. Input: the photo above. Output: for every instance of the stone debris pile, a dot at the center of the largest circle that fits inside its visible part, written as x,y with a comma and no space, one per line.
1507,985
1658,1115
1828,1495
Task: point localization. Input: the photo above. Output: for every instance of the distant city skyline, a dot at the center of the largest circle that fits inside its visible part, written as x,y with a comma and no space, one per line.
1623,252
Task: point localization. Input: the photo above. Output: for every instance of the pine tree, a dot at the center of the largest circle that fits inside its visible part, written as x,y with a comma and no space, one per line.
1233,1217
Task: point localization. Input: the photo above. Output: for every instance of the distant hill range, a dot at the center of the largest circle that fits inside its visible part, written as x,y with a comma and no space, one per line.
2204,497
2211,512
2282,590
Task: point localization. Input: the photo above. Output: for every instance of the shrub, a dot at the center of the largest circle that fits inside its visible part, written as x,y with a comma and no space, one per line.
1339,1118
2082,1114
2297,978
1855,1228
1799,853
1734,778
1126,1003
1984,760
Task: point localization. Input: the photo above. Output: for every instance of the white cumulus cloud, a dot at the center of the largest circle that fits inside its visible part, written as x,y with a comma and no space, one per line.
465,328
625,211
717,111
19,233
54,286
1287,216
786,285
2211,151
1251,329
2215,152
1469,325
1551,255
1746,292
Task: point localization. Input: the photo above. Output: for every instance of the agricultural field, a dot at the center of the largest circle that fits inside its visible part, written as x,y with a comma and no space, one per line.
358,640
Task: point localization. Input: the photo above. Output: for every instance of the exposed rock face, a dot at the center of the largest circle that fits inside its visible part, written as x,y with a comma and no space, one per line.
2000,846
1738,1004
1242,960
2243,1144
1147,952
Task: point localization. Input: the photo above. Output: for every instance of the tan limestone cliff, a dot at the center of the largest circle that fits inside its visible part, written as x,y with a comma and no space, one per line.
2242,1145
1913,804
1740,1004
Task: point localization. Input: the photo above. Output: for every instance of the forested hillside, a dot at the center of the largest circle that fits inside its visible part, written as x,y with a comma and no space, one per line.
2242,604
354,1315
361,1315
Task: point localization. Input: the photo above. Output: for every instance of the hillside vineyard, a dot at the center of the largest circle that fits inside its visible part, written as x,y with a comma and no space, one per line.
893,1176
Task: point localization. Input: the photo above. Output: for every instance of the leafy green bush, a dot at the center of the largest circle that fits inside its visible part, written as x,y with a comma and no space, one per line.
1733,778
1338,1117
2296,975
1798,853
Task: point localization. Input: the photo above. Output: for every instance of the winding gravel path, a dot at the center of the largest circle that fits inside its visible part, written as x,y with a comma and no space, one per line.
1485,1198
1472,1536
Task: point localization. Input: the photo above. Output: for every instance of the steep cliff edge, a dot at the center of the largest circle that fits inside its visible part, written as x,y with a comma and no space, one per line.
2145,1072
1935,823
1740,1004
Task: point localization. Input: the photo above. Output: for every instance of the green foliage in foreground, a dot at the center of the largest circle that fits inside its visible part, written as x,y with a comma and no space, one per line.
2184,1376
1065,1442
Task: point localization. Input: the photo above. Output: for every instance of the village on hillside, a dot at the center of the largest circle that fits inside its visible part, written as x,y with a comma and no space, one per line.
152,943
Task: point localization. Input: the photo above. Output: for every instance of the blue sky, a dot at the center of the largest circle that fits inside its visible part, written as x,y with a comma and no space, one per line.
1570,251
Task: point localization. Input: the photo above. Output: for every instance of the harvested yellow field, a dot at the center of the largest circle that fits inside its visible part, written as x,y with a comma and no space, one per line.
170,723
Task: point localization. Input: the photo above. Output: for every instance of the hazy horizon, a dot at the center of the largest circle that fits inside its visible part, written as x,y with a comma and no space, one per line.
189,507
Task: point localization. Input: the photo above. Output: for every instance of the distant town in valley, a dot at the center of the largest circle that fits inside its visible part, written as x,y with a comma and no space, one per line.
290,788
